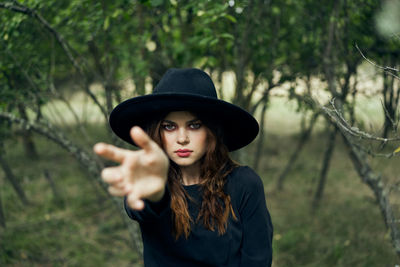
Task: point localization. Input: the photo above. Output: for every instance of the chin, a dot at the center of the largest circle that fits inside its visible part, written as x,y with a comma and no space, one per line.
183,162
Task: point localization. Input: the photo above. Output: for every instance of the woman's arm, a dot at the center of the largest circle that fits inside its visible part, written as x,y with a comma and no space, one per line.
256,249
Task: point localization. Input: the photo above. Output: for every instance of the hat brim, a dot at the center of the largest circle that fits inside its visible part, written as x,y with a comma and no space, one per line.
239,127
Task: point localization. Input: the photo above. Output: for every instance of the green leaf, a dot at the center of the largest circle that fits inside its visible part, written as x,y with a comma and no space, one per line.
231,18
156,3
214,42
226,35
276,10
106,23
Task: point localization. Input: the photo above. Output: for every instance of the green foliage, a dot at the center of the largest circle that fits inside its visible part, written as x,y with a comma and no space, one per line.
113,40
264,43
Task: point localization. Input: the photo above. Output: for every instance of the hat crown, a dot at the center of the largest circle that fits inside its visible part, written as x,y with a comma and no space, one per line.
186,81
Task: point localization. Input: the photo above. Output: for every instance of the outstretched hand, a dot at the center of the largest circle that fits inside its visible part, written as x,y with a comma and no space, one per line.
142,174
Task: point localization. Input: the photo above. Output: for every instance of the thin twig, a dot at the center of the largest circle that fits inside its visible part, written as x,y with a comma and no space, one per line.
388,70
354,131
388,115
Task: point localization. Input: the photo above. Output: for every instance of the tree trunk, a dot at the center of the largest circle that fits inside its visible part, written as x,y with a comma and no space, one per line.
324,170
260,142
220,80
376,184
58,197
353,102
2,217
389,104
29,145
11,177
140,85
302,141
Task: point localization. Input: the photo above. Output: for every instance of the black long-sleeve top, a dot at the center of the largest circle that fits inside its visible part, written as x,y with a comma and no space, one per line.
247,241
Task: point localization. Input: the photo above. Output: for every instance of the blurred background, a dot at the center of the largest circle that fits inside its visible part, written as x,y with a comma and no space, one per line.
321,77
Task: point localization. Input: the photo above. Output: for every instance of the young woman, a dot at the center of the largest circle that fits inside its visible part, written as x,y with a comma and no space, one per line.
194,205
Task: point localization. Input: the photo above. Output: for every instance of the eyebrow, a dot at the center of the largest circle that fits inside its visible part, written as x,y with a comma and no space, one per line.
188,122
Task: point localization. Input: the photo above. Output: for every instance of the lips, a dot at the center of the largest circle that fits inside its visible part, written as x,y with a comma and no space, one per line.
183,153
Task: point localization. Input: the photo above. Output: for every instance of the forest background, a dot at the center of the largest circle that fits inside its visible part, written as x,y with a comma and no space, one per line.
322,78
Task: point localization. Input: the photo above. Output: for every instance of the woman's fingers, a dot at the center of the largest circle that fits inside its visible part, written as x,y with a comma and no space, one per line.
115,178
142,139
134,202
112,175
110,152
118,192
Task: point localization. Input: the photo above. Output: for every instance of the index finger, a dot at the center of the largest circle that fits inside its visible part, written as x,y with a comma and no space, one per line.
141,138
110,152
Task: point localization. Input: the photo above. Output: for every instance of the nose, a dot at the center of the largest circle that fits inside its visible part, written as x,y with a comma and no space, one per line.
183,138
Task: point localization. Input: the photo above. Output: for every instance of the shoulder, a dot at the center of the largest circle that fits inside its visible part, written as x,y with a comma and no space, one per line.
244,178
246,190
244,175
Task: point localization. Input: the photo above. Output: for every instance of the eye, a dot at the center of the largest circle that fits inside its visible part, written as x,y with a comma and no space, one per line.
168,126
195,125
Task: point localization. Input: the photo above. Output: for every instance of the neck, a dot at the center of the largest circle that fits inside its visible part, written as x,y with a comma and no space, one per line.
191,174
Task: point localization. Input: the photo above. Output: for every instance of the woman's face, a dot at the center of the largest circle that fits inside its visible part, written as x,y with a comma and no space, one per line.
184,138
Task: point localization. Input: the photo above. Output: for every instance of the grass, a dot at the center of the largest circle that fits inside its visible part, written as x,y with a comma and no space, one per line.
347,229
87,230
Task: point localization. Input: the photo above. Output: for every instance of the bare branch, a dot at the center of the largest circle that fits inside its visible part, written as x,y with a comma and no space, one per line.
341,122
60,39
388,70
49,131
371,153
32,13
381,192
264,97
388,115
364,170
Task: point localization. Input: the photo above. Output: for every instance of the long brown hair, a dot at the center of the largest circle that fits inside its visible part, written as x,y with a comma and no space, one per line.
215,167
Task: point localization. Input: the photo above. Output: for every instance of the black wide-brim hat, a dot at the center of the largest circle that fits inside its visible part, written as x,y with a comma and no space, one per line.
185,90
